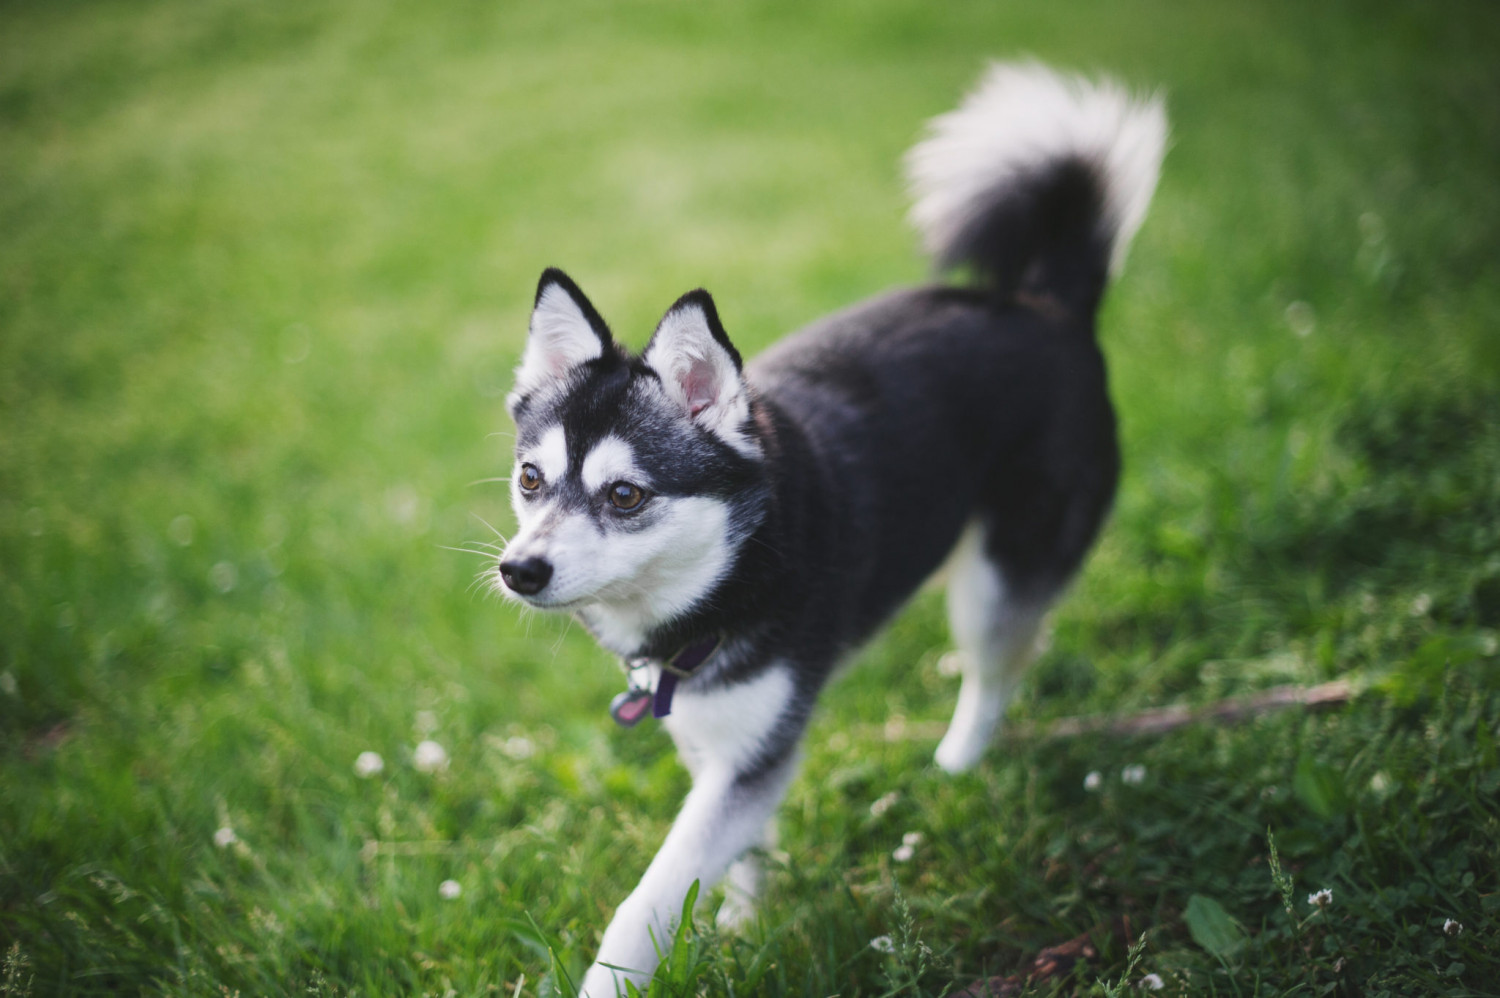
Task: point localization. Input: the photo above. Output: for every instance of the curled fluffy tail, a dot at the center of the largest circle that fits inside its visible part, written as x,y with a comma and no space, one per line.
1038,181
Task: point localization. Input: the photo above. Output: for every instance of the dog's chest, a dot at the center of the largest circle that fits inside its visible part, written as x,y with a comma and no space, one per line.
728,727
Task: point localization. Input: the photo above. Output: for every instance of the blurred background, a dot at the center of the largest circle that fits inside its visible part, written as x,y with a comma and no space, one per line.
265,269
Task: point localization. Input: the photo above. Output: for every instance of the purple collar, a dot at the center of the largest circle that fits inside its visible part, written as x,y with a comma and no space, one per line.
629,708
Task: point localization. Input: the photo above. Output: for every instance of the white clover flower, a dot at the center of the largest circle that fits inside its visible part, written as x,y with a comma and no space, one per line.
908,847
430,757
426,722
225,837
1134,774
884,804
882,944
1153,982
450,889
1093,781
1302,318
519,747
1321,899
181,530
224,576
1453,928
1421,605
367,764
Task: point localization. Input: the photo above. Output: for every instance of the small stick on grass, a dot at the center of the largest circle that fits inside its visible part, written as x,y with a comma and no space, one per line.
1159,719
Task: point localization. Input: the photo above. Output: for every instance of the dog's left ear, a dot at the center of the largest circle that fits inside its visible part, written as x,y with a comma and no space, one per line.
700,368
566,331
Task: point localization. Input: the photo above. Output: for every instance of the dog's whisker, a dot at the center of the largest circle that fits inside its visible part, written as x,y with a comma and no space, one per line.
448,547
503,538
485,578
567,626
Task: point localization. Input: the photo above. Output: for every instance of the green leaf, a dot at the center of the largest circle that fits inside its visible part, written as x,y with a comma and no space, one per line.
527,935
1485,743
1211,927
689,903
678,962
1320,787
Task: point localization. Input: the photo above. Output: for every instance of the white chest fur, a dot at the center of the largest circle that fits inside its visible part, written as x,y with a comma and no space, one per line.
723,730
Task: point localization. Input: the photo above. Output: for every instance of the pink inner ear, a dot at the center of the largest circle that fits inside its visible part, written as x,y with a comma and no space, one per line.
701,387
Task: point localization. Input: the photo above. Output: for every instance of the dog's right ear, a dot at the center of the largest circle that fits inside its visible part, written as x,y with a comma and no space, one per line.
700,370
565,331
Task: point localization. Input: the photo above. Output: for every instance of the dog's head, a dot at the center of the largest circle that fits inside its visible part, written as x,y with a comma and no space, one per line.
636,478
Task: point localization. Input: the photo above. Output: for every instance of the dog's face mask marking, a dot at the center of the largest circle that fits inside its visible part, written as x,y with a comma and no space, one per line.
634,478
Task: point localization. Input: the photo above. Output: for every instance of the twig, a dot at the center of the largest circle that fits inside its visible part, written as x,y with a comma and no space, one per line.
1150,722
1155,721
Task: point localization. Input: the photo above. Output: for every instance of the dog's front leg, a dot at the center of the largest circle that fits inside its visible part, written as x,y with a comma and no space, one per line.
722,817
738,742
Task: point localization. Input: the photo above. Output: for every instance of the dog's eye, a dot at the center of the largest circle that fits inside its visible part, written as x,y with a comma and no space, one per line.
623,495
531,478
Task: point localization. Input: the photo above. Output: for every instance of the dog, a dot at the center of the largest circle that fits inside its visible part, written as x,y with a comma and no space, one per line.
733,532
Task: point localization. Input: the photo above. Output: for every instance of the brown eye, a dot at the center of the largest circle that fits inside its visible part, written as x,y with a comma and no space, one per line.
623,495
531,478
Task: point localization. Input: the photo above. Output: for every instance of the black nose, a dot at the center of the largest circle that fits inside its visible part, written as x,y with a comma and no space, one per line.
527,576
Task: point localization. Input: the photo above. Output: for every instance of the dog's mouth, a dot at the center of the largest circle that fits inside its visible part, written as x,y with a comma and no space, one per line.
542,603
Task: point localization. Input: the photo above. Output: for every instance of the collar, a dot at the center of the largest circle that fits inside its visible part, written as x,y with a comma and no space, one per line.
629,707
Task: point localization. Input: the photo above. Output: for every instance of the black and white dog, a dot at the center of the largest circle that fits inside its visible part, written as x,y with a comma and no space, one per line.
734,532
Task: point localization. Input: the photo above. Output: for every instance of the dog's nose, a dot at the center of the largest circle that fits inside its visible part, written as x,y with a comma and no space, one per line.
527,576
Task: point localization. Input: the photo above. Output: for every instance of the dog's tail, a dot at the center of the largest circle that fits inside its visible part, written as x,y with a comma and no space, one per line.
1038,181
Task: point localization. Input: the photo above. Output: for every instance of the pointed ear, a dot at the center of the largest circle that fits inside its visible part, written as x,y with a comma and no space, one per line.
700,369
565,332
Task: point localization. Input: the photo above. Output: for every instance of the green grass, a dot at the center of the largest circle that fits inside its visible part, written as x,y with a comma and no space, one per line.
265,269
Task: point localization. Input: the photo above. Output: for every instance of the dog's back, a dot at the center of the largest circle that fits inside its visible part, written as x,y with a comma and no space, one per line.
930,410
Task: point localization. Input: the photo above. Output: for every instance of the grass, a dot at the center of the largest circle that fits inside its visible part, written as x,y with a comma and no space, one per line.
264,272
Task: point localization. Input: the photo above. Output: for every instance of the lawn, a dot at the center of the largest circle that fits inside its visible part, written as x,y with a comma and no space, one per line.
265,269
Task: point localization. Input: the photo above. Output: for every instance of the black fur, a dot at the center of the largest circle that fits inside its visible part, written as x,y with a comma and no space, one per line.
1040,235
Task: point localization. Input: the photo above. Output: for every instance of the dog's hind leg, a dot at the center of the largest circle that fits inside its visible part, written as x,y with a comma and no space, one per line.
996,635
742,883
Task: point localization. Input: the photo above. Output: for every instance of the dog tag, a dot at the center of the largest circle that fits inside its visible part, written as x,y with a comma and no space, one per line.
629,707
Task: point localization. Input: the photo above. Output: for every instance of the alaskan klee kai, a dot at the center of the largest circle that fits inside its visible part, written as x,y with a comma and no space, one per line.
733,532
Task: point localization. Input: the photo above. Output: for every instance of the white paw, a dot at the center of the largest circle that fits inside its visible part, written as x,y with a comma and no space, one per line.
959,750
736,911
602,982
